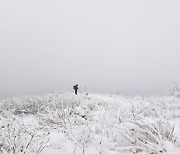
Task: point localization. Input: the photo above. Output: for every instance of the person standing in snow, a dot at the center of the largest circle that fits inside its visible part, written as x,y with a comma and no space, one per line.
76,88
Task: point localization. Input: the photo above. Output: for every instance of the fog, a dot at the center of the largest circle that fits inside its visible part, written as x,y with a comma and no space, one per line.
128,46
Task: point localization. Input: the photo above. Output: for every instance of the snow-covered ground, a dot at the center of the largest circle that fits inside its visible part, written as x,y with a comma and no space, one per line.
63,123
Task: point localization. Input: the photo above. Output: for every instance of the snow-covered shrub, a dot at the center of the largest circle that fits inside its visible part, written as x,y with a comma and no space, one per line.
24,105
17,138
128,126
64,117
138,108
126,123
38,103
81,135
175,91
146,135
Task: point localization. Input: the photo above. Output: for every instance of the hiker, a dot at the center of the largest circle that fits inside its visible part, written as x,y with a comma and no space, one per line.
76,88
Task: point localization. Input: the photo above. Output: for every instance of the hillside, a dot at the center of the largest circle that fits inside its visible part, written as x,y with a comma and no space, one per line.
62,123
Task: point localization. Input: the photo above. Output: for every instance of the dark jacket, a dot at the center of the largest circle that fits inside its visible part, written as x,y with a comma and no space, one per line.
76,87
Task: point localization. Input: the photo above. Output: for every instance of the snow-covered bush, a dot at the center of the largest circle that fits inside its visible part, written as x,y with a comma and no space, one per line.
17,138
122,123
175,91
81,136
38,103
64,118
145,135
140,124
24,105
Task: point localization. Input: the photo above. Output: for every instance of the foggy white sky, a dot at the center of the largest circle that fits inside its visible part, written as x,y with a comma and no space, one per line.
130,46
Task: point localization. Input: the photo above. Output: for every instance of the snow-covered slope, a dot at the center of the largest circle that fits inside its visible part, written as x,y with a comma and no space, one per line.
89,124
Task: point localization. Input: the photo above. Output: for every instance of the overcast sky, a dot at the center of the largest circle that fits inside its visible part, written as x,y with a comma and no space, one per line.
130,46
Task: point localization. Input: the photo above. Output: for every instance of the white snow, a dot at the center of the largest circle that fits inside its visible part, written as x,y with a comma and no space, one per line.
62,123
